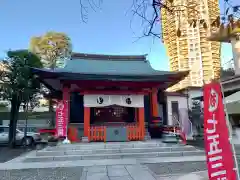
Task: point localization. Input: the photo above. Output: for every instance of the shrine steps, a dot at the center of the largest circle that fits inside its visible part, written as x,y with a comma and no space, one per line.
98,151
115,151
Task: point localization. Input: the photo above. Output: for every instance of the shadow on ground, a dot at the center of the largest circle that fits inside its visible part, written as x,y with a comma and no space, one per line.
7,154
199,143
177,167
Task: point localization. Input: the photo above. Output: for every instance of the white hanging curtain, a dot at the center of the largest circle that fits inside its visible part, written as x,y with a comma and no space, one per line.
97,100
129,100
107,100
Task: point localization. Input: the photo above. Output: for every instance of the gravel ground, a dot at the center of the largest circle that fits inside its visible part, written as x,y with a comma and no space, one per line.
73,173
177,167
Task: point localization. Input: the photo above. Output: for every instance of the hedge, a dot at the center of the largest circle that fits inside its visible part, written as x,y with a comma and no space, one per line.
22,115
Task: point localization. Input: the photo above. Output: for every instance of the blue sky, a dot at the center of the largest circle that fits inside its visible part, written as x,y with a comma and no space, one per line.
107,31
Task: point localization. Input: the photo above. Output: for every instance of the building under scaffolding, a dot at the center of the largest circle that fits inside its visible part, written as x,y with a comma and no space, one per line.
191,50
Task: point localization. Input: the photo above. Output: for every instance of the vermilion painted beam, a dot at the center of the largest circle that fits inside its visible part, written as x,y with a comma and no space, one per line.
115,92
87,84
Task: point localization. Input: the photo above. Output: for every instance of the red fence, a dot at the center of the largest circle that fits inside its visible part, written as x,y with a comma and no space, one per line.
98,133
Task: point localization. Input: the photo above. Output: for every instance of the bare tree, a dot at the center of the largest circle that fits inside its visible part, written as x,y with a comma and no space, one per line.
149,11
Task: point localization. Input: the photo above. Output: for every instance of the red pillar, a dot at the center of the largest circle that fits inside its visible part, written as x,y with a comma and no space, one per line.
154,103
86,121
154,107
141,120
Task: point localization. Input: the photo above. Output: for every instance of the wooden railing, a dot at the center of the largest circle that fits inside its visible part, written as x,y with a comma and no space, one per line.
97,133
135,132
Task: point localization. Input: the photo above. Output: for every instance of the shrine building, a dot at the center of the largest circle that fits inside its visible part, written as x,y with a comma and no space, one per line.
112,97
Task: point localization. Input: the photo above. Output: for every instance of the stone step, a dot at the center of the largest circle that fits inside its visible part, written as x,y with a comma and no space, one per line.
114,156
110,145
115,150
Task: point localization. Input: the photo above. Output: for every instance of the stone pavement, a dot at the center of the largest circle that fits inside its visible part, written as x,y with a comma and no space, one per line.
60,173
102,172
117,172
133,172
141,165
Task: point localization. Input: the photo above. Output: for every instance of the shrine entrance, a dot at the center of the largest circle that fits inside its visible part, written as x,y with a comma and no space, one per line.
113,115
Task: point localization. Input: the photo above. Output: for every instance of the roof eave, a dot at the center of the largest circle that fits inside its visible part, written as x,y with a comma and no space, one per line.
76,76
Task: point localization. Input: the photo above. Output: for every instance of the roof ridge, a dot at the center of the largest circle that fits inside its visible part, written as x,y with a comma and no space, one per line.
109,57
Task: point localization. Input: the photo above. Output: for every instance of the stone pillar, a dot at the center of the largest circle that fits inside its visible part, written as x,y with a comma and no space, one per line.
236,53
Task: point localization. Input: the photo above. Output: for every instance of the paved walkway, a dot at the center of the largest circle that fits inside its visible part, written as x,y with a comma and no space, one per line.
114,172
157,168
117,172
118,169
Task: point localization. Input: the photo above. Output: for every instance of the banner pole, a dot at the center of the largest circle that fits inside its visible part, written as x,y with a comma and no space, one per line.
230,132
66,141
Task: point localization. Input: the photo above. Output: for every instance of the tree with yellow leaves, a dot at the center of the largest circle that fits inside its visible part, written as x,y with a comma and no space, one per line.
54,48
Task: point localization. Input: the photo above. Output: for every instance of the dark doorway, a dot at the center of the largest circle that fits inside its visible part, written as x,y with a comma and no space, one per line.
76,108
175,112
113,114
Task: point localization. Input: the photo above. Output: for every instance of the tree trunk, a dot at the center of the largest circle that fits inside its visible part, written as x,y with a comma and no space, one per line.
13,121
52,120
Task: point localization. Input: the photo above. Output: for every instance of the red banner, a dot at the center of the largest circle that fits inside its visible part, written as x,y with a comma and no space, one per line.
61,119
218,149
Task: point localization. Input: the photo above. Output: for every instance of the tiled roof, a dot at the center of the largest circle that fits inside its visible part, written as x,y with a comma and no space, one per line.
118,66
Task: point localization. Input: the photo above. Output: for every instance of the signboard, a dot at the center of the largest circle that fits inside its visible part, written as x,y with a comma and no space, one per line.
61,119
218,149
